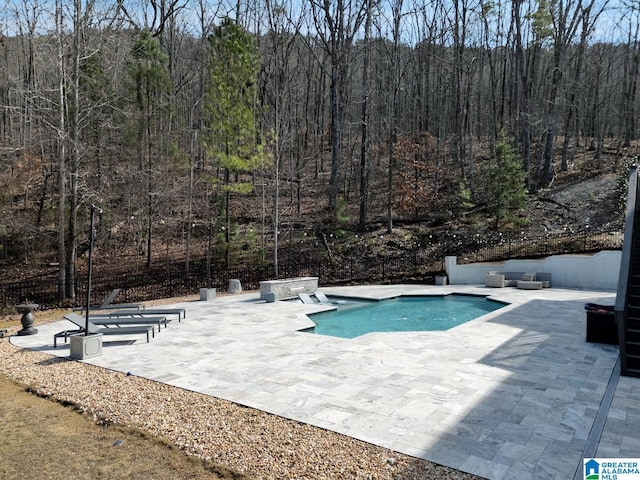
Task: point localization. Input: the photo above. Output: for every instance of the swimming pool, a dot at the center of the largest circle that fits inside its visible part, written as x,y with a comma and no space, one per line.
403,314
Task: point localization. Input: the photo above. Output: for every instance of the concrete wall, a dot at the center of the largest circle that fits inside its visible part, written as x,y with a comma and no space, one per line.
590,272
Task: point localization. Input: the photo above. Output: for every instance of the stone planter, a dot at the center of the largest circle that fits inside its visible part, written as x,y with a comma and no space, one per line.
207,294
441,279
85,346
234,286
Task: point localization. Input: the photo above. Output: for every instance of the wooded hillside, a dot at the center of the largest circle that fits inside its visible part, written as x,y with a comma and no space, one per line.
200,127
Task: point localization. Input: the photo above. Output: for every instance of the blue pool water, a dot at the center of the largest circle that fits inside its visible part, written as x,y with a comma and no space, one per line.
403,314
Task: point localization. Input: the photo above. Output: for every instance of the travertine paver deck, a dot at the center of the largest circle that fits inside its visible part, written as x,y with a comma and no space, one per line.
512,395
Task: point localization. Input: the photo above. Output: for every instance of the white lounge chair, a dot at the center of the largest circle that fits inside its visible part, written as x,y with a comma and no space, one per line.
322,298
306,298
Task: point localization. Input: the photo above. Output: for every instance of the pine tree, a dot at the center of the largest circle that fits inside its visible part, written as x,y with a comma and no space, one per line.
232,136
506,180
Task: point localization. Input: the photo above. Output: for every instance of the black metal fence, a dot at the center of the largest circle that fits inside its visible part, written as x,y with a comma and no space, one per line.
418,265
478,248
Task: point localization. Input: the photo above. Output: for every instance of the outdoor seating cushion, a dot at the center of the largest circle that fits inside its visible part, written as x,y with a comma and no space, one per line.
529,285
494,280
511,278
545,278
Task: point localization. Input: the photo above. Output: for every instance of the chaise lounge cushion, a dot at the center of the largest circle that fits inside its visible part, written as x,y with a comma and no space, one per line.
545,278
529,285
511,278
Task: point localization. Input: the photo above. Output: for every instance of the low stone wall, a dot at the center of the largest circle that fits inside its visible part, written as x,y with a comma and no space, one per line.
287,287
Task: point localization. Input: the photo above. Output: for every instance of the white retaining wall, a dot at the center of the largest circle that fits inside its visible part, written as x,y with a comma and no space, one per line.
590,272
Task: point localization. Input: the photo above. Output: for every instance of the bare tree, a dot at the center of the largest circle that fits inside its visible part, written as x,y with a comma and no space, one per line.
337,22
631,69
566,20
589,16
521,89
280,95
395,69
344,82
62,153
153,16
364,122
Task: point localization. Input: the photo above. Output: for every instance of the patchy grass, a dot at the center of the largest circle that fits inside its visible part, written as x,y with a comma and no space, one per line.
45,439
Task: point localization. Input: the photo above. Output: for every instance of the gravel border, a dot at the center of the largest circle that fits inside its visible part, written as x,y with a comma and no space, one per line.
259,444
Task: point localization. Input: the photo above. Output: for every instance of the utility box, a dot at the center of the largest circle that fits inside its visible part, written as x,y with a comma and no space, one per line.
602,326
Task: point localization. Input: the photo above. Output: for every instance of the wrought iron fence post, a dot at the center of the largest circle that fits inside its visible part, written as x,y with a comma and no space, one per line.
546,243
351,269
586,237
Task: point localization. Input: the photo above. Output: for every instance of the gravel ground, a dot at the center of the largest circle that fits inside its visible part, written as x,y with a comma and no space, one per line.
262,445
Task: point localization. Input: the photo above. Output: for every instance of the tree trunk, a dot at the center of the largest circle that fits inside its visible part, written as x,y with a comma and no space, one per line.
62,153
336,140
632,65
72,247
548,173
364,119
227,219
390,183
